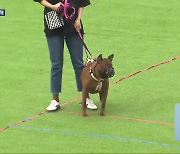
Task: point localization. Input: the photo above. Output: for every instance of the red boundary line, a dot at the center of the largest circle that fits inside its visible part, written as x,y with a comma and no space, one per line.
115,82
126,118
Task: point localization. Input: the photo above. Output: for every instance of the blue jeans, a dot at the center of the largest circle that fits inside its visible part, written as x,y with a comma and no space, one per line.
56,50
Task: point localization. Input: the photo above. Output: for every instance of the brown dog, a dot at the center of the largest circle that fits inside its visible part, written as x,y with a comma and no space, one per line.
94,78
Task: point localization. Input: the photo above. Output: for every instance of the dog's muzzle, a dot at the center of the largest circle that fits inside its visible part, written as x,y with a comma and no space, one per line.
109,72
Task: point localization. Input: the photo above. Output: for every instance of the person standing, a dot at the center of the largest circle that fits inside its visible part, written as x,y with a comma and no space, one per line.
57,33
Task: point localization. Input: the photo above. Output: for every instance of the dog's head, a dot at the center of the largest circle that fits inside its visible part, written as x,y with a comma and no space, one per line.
104,65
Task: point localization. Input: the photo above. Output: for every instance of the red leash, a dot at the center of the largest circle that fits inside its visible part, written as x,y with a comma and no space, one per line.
63,11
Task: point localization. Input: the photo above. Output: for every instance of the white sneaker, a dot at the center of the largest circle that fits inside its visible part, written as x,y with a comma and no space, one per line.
90,104
54,105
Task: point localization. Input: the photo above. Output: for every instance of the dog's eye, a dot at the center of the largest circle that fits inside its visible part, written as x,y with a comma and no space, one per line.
109,65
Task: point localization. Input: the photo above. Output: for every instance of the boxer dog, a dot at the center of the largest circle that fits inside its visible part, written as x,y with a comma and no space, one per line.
94,78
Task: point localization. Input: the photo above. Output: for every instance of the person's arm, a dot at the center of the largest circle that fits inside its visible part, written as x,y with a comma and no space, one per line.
49,5
77,23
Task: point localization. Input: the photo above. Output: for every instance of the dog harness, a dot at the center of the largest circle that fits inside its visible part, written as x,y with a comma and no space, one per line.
99,86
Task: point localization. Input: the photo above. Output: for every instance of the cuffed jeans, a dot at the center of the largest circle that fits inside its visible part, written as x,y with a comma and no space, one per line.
56,50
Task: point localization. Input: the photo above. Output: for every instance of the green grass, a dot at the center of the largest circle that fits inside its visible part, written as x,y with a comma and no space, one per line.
140,33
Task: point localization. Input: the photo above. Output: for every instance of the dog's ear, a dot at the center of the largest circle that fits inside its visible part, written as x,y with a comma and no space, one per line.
111,57
99,58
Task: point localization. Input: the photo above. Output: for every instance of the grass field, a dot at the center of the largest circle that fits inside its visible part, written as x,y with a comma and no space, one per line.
140,110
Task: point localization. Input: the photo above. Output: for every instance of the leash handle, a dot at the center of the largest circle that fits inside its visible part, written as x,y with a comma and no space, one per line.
65,8
64,13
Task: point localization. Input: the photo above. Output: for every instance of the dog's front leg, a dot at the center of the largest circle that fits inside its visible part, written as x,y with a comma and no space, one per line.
100,95
103,103
84,96
103,93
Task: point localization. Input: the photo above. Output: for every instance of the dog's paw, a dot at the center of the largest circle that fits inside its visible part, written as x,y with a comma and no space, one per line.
84,115
102,114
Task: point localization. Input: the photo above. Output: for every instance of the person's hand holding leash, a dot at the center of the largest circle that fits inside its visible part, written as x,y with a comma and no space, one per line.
77,25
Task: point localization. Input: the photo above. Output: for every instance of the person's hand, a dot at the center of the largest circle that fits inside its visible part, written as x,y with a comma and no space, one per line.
56,6
77,25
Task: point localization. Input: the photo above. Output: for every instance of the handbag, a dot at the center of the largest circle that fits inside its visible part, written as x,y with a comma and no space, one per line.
53,20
